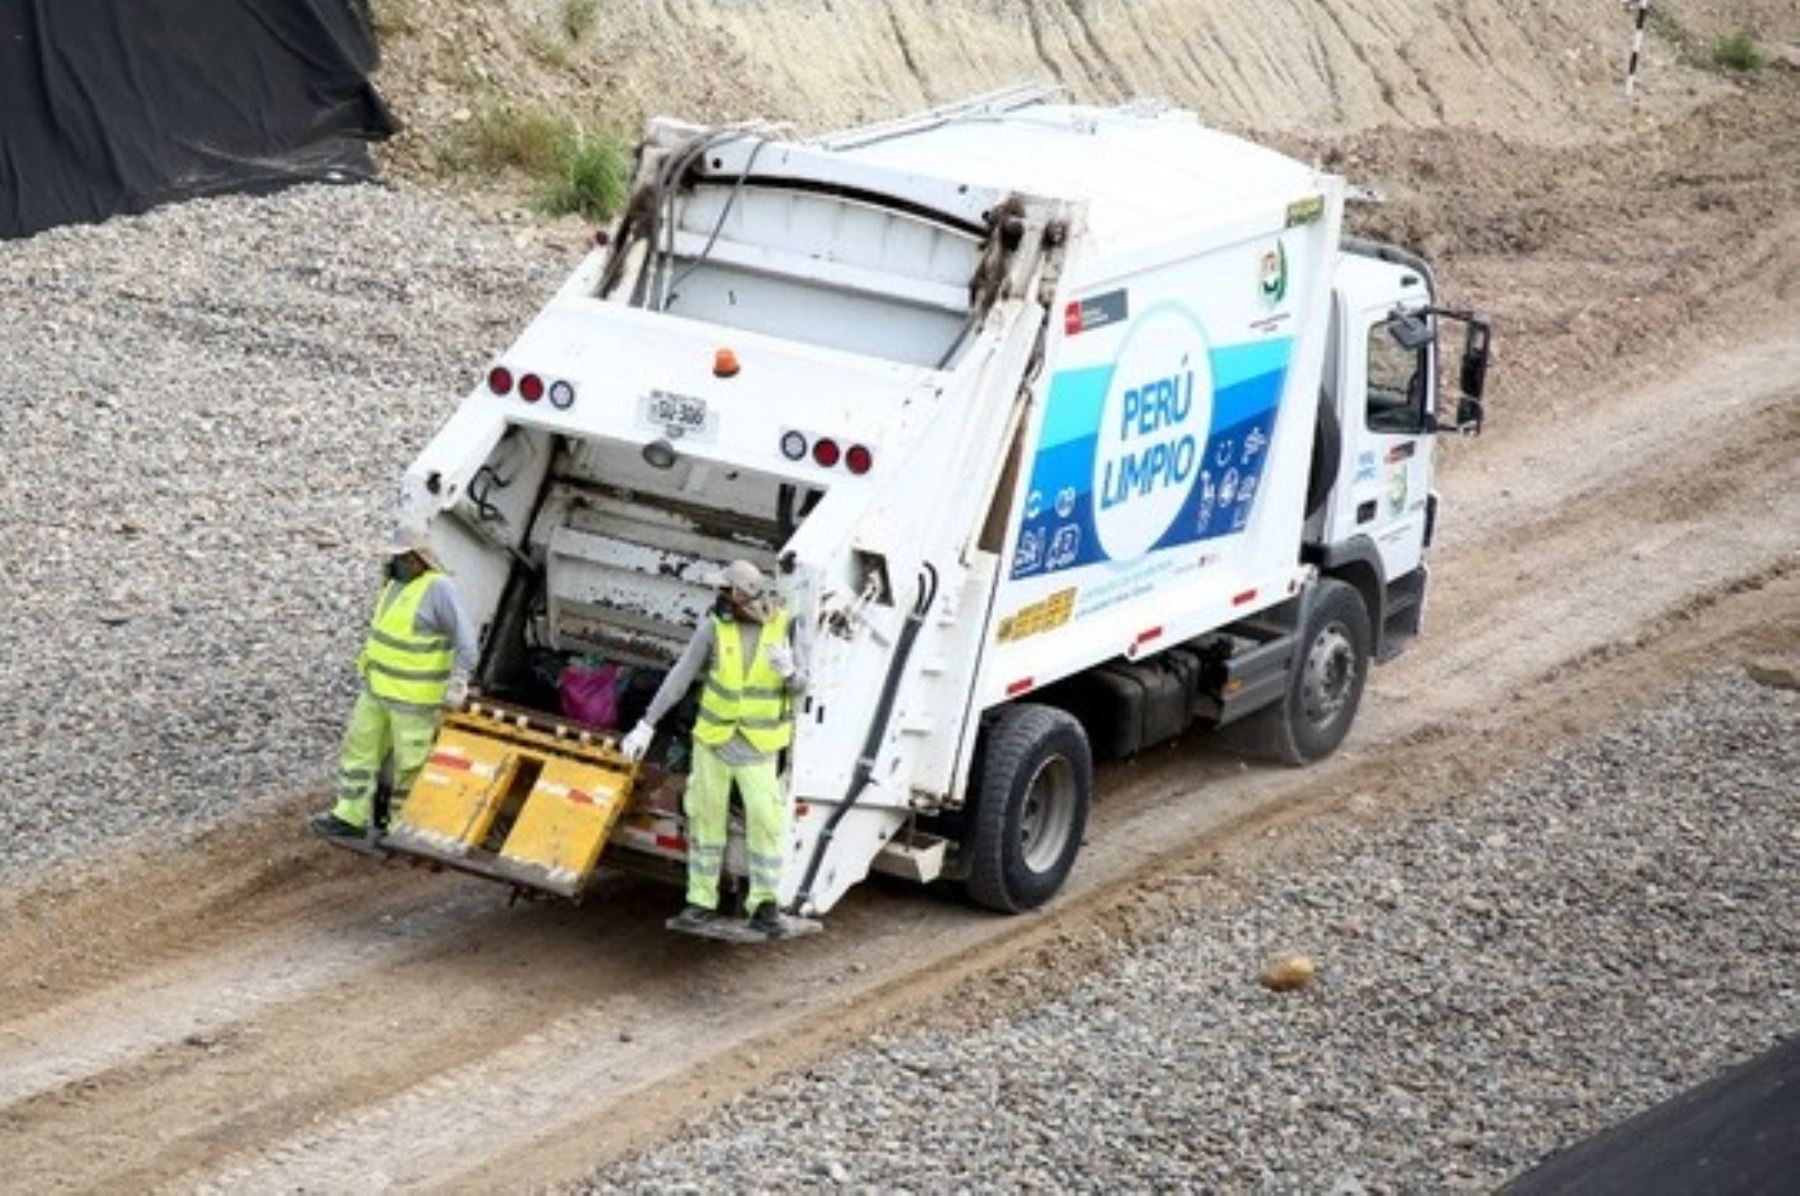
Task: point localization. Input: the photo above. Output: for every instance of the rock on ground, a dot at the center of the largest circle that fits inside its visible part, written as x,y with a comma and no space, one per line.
1497,979
207,409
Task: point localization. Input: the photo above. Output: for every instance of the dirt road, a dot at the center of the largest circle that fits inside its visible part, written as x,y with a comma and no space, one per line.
262,1014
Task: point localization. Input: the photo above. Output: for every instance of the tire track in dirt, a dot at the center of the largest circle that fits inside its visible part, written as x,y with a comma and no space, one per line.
567,1017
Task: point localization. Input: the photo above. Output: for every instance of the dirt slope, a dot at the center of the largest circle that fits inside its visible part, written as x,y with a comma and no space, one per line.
1534,69
261,1014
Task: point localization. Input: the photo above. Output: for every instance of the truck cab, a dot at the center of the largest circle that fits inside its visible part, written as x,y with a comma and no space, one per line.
1381,413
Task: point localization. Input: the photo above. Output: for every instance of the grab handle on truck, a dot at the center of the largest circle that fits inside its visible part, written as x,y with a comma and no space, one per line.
865,762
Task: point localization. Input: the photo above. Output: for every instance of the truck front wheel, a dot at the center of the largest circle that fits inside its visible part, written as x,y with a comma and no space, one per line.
1331,664
1030,808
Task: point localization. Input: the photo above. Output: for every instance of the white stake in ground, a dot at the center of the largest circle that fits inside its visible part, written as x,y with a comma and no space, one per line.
1642,7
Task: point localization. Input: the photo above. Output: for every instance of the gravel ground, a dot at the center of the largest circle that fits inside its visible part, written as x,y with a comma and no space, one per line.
206,411
1497,979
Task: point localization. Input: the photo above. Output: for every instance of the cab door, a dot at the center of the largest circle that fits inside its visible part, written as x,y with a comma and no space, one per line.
1387,427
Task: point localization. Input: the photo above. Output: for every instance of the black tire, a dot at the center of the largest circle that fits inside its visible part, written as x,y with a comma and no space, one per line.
1327,450
1030,808
1331,666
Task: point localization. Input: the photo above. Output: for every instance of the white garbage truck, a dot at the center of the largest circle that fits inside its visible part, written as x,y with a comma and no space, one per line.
1061,430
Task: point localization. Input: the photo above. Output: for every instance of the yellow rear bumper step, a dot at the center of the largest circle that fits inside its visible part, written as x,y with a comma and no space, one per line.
508,795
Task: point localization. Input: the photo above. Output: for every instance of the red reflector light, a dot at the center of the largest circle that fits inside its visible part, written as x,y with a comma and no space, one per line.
1072,318
671,842
500,380
445,760
825,451
1018,687
858,459
1246,596
1149,634
531,388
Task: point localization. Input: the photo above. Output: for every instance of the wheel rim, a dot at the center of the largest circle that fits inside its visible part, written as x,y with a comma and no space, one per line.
1048,816
1330,675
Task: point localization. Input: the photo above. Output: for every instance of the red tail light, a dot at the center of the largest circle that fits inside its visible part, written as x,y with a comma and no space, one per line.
1072,318
531,388
825,451
500,380
858,459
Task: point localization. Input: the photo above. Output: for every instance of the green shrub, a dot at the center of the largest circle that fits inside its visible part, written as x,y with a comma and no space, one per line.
526,138
575,170
578,17
1739,52
592,182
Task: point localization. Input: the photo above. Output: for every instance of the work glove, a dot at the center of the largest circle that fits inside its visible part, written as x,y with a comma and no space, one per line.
781,659
456,693
634,745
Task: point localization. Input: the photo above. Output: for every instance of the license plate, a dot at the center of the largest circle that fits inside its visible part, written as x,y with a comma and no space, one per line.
678,415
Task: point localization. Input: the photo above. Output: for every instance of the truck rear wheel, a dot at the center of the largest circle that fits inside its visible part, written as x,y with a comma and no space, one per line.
1037,773
1331,665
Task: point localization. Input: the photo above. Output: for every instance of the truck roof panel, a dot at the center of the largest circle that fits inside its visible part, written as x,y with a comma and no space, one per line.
1134,169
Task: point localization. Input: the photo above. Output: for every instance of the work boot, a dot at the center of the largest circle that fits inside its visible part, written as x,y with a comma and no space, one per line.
333,827
693,917
767,921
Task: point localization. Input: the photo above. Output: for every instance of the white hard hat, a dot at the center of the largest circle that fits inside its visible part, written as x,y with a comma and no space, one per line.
743,579
749,590
406,536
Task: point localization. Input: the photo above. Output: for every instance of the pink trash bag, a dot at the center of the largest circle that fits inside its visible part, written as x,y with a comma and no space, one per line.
590,693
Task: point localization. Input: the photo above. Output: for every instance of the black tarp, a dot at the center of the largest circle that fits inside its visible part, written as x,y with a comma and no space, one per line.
1735,1135
110,106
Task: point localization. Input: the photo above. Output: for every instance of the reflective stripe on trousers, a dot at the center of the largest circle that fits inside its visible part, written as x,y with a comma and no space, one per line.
707,804
376,731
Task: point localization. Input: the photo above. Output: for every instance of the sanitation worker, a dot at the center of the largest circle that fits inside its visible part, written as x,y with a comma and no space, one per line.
416,661
753,671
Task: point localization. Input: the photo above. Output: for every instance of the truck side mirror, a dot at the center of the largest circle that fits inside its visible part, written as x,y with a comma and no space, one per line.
1411,332
1475,362
1469,414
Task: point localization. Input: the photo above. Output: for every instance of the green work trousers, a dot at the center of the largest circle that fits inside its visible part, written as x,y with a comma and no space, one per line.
707,803
378,730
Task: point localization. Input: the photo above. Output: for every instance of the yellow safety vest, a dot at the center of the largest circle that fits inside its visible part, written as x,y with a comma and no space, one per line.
751,701
399,664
